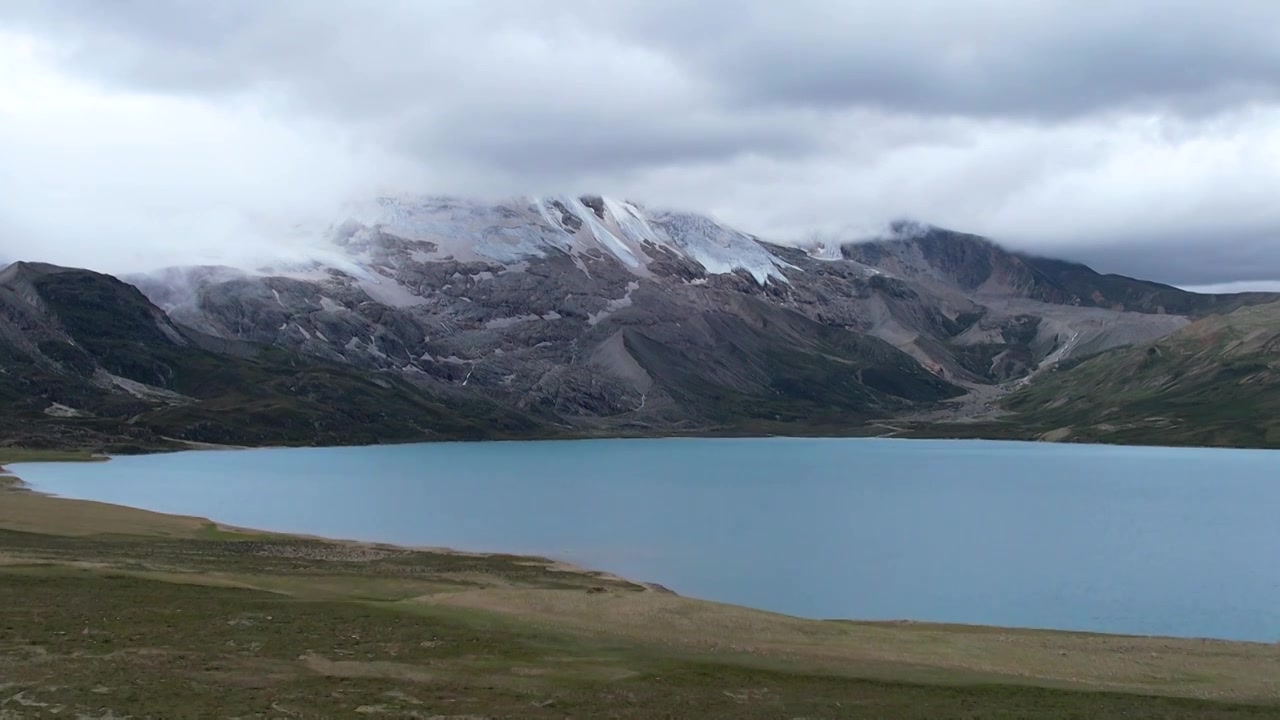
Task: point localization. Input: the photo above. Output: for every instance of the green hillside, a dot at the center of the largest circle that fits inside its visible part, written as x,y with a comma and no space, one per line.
1214,383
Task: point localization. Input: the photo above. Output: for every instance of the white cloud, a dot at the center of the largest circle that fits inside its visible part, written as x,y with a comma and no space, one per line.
125,181
1236,287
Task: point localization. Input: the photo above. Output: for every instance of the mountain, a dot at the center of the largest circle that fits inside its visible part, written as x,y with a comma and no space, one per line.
1215,382
980,267
566,316
86,359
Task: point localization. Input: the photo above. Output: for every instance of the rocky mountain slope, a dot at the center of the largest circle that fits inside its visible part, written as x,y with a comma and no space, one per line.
978,267
85,359
1215,382
584,316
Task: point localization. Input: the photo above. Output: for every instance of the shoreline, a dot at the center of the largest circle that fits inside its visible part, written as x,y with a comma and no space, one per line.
253,614
11,482
194,446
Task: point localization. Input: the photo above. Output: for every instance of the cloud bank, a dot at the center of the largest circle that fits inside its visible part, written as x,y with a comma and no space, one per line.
1143,137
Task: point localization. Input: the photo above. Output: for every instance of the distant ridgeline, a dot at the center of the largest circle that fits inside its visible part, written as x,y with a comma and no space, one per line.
573,317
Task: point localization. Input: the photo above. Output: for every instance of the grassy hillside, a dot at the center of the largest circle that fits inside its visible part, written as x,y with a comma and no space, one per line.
1216,382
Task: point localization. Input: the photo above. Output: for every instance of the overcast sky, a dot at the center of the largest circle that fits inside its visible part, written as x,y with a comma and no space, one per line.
1140,135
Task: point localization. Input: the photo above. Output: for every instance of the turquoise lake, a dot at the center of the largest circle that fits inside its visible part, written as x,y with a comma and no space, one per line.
1182,542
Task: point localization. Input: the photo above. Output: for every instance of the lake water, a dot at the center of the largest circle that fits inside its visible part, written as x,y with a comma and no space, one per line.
1181,542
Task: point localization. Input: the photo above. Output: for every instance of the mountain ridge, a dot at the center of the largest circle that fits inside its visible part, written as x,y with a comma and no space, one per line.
577,317
1214,382
101,365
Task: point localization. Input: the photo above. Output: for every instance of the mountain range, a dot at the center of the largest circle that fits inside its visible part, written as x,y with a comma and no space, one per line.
444,318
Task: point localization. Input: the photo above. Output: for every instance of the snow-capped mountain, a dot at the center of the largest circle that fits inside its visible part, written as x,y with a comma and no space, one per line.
600,311
509,233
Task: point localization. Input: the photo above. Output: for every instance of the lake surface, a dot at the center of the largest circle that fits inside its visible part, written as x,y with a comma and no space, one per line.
1181,542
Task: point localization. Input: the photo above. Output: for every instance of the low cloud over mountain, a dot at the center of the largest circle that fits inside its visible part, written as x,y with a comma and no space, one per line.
139,135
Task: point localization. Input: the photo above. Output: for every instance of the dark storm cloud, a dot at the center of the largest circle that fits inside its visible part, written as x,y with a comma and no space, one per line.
1039,59
1044,59
1209,259
1103,129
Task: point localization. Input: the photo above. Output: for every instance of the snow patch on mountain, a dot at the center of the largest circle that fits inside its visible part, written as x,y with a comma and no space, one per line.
719,249
380,250
388,292
514,231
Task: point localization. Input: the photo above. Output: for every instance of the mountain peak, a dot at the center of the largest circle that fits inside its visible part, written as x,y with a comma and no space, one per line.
511,232
907,229
24,269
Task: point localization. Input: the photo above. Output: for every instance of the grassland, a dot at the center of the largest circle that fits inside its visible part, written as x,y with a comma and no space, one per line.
112,612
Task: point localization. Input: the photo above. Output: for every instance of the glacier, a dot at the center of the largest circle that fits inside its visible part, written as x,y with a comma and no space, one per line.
513,231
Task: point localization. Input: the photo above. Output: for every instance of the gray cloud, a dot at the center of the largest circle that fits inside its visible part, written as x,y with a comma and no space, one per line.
143,132
1046,60
1245,258
517,86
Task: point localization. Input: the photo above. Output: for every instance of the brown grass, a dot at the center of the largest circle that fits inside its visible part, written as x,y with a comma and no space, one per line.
31,512
1187,668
